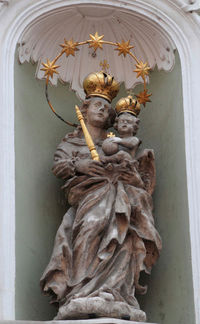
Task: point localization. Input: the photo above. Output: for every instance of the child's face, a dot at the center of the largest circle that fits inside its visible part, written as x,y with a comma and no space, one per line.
127,124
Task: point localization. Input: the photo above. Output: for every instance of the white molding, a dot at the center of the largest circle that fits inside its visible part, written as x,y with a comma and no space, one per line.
188,5
3,5
179,25
150,43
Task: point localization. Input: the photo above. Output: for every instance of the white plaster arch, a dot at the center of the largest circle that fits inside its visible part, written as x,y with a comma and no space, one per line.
150,43
183,27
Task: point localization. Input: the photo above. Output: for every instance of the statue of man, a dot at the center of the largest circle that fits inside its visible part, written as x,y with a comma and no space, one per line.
107,237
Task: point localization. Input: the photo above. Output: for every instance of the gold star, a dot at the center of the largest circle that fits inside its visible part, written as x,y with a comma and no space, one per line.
143,97
69,47
142,69
50,68
104,64
123,48
96,41
111,134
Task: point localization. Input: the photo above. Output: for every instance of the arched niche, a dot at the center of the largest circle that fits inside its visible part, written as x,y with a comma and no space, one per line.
40,204
182,27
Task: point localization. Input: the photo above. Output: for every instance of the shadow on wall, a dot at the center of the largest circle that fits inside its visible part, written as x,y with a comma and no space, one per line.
40,204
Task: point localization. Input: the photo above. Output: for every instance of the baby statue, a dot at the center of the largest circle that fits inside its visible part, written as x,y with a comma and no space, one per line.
124,147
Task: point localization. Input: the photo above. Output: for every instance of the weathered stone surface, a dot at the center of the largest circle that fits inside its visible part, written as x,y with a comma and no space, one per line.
108,235
97,306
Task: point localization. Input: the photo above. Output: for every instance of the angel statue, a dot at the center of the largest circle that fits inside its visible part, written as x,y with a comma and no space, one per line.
107,236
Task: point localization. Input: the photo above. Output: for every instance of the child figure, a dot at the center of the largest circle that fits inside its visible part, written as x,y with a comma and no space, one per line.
124,147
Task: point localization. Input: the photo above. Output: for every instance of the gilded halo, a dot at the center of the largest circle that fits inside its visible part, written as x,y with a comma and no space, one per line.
96,41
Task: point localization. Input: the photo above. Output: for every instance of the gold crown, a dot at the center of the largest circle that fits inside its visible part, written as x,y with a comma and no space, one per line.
128,104
101,84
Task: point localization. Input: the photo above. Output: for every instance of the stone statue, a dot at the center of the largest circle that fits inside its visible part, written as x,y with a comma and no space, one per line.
107,237
126,125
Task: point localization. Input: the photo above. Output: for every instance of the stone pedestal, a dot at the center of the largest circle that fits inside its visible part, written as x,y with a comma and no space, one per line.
103,320
102,306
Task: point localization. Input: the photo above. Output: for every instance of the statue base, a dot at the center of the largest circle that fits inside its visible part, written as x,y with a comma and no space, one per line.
95,307
102,320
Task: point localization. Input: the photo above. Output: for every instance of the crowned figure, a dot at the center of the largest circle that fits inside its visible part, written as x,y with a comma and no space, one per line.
107,236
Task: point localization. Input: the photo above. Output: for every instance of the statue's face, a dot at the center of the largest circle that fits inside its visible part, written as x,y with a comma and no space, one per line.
127,124
98,112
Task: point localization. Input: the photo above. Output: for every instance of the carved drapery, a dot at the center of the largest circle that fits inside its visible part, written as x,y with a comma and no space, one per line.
181,25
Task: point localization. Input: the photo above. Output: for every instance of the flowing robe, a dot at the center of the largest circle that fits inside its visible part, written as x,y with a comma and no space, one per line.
108,235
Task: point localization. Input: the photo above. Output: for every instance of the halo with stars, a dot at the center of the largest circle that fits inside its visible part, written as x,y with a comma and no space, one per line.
96,41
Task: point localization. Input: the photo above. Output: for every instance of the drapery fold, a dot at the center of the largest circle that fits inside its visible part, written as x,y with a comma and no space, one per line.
107,238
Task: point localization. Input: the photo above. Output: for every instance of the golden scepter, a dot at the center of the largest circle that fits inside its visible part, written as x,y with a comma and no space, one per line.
88,138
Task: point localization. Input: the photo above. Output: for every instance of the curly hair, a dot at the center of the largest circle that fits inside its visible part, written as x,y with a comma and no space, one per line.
115,125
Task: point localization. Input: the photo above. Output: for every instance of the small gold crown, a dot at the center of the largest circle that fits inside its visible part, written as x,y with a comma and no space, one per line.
128,104
101,84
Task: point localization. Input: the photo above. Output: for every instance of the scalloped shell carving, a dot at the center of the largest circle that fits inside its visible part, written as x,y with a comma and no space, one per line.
42,38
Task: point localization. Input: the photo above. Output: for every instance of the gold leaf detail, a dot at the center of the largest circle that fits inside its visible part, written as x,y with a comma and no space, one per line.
143,97
69,47
96,41
111,134
105,66
49,68
142,69
123,47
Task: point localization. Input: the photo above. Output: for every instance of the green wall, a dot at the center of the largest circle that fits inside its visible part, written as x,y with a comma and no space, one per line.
170,296
40,204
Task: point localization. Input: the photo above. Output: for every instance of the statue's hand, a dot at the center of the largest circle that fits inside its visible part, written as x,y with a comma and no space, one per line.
63,168
89,167
115,139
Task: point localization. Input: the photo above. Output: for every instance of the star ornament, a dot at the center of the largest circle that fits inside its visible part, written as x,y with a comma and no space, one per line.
142,69
96,41
123,48
143,97
104,64
110,135
69,47
49,68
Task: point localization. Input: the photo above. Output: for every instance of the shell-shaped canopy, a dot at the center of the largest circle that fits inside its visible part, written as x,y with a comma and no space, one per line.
41,40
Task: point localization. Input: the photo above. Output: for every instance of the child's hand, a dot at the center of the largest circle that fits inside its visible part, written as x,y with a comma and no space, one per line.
115,139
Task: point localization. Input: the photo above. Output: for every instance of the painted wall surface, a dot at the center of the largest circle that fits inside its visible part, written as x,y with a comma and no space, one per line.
40,204
170,295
